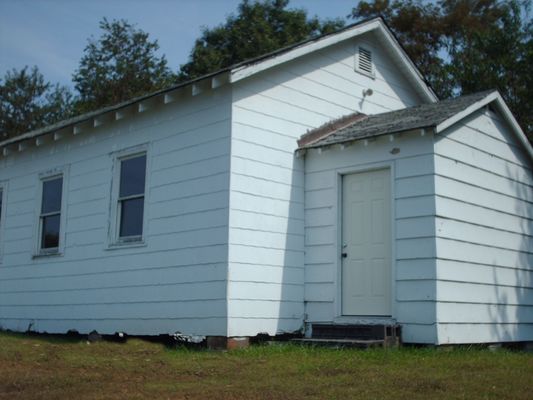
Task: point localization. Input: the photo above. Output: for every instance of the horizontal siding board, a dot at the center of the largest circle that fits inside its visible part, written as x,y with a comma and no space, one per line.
407,249
266,222
419,333
475,176
181,206
416,290
475,253
274,173
492,125
483,142
416,227
482,197
252,203
187,222
266,188
471,156
190,188
320,235
264,291
265,256
320,292
144,294
415,186
420,206
267,309
321,273
137,310
267,155
464,292
484,313
265,273
419,312
319,311
414,166
458,210
132,277
483,333
317,217
451,229
273,240
412,270
448,270
190,154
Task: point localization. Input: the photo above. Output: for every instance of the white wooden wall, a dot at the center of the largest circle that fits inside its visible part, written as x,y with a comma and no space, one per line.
177,282
413,258
484,226
267,222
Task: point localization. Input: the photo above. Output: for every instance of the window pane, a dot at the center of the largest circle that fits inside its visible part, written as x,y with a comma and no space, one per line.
132,176
52,190
131,217
50,235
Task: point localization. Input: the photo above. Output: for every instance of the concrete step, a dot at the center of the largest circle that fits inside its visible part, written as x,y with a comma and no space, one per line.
341,343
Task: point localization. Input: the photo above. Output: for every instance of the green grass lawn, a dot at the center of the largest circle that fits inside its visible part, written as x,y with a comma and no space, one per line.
36,367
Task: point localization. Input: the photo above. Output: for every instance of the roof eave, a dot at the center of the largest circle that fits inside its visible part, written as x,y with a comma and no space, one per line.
422,128
83,118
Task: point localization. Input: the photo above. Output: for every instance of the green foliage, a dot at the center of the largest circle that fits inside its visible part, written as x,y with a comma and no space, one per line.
120,65
464,46
28,102
257,29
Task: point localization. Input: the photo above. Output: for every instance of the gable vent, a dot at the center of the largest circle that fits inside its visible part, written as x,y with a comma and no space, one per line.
364,61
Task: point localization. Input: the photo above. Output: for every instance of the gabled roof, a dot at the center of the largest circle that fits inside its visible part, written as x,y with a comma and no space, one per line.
244,70
438,116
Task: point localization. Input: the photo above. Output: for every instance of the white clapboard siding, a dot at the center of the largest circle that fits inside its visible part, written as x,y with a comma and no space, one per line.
414,229
456,333
270,112
177,281
484,229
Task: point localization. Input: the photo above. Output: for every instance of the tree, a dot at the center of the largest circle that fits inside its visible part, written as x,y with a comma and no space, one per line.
28,102
120,65
464,46
257,29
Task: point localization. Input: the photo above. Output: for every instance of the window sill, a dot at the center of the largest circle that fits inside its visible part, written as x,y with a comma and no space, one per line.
126,245
45,254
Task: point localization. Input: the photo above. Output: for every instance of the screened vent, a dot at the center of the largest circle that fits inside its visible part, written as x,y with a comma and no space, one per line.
364,61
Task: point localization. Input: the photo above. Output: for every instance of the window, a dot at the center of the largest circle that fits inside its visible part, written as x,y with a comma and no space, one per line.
50,215
130,210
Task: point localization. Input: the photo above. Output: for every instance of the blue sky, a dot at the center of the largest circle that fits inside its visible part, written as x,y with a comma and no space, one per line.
53,33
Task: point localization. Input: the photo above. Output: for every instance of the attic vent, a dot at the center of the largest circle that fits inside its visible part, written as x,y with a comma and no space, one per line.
364,61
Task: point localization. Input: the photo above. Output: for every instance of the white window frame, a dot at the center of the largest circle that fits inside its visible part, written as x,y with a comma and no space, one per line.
43,177
114,239
3,197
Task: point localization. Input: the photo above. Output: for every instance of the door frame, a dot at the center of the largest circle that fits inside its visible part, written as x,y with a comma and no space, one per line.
339,173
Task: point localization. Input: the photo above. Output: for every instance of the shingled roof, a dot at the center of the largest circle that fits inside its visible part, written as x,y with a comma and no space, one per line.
407,119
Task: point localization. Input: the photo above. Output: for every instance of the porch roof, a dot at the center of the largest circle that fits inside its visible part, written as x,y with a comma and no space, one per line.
407,119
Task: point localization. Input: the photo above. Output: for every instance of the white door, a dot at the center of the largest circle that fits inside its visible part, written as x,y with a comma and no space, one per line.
366,243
